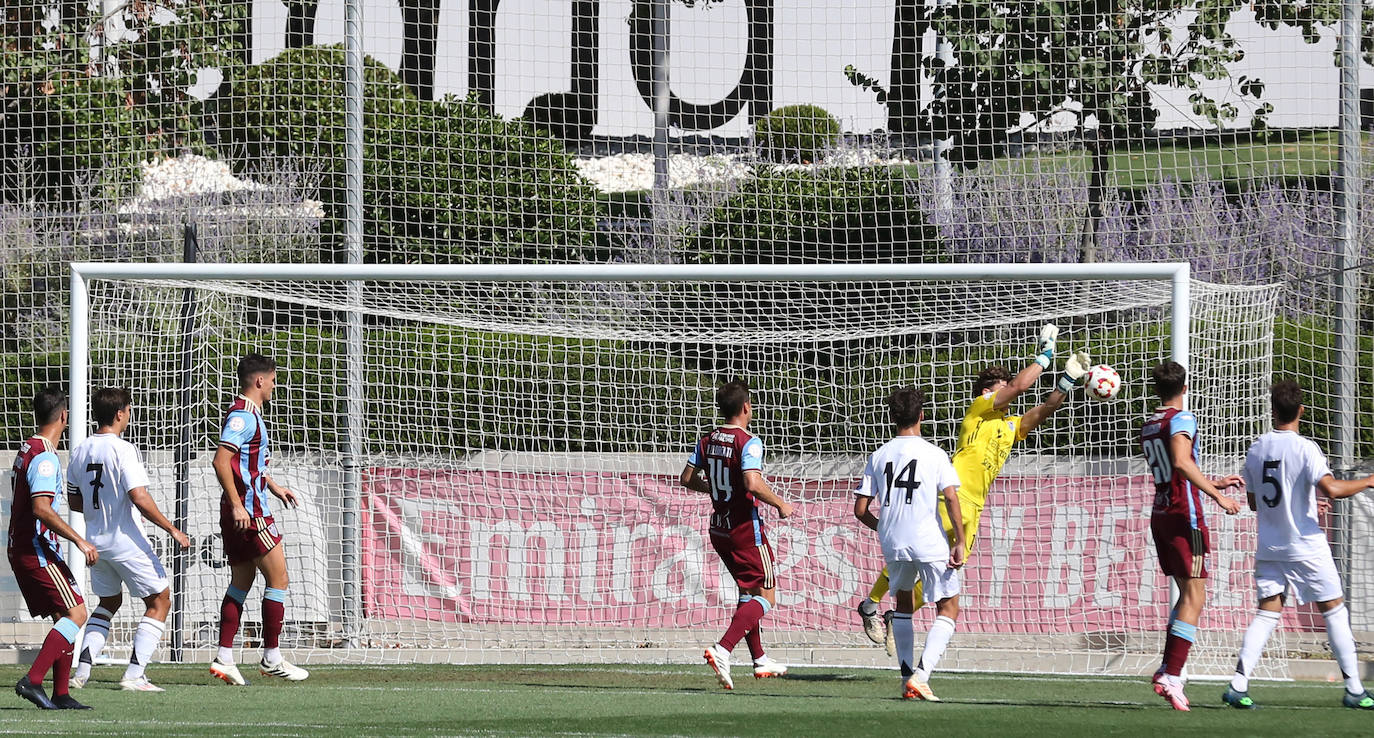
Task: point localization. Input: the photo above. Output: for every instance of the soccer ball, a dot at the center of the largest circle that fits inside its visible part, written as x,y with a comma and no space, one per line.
1103,382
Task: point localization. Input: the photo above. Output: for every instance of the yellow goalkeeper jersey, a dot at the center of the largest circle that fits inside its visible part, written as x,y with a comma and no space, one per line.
986,436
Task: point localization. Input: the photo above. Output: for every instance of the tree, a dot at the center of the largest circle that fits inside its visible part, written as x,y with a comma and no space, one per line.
1019,64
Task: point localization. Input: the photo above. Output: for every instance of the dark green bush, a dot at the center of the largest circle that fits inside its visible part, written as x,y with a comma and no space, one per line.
796,134
858,214
445,181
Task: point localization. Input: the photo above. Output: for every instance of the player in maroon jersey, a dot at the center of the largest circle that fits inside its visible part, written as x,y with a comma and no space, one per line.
1169,440
252,542
48,586
727,464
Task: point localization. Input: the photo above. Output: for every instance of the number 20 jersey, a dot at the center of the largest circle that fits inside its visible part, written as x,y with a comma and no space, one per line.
725,454
1174,494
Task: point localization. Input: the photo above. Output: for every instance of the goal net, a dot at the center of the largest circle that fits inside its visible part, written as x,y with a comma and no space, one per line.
488,467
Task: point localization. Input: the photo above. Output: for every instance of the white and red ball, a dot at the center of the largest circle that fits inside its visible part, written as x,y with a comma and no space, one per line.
1103,382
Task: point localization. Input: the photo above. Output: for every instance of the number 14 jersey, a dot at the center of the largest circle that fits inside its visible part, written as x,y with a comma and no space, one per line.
725,454
905,478
102,470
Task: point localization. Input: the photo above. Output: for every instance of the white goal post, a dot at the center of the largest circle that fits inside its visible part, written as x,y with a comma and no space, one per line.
489,466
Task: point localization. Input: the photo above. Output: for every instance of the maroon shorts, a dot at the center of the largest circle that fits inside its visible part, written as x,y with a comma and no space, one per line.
1182,549
241,546
746,554
48,589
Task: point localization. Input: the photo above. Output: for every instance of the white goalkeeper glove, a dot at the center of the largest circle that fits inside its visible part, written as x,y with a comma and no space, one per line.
1075,371
1045,348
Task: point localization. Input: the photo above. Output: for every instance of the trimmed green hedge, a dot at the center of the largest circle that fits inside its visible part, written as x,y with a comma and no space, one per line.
446,180
852,214
796,134
552,394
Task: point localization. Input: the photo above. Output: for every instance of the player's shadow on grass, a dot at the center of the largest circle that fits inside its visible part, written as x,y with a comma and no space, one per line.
793,676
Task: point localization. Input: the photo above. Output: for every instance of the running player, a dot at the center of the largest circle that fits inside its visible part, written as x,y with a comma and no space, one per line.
47,584
107,482
1169,440
986,437
1285,471
727,464
906,478
252,542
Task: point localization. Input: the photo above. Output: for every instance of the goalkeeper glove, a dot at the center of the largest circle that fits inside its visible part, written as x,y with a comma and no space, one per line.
1075,371
1045,349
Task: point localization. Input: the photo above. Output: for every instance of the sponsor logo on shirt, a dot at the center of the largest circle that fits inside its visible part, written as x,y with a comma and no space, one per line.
236,424
46,468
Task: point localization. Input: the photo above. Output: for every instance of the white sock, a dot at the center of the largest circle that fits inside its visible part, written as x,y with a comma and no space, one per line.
1261,627
271,655
93,642
146,638
225,655
936,641
1343,646
905,637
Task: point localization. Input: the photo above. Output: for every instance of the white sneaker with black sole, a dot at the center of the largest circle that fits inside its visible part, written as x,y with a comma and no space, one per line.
283,670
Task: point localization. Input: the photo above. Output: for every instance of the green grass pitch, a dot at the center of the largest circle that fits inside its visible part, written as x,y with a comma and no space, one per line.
666,700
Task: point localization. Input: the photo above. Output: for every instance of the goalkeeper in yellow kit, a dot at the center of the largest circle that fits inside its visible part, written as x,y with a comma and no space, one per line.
986,437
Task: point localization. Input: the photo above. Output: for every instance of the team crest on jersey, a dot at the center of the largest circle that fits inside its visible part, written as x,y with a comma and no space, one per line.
46,468
236,424
1011,426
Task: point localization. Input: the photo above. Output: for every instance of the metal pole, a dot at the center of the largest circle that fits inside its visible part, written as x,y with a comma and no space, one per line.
1346,363
1181,320
79,350
1347,284
658,50
354,404
944,174
182,468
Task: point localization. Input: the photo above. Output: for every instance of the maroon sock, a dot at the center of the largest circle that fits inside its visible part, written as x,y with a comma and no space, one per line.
273,613
62,672
746,618
755,642
230,613
1175,654
53,647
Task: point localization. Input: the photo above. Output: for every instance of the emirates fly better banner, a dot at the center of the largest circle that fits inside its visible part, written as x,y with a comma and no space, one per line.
488,546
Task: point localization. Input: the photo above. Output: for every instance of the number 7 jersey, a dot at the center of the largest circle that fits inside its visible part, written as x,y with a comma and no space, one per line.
725,454
102,471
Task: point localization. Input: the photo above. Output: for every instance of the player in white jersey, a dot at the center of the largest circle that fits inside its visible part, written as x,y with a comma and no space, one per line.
904,481
1283,474
107,482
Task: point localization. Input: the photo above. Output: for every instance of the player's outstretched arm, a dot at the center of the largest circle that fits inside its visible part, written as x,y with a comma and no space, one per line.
1181,448
1338,489
763,492
1075,370
145,504
692,479
956,519
1027,377
42,509
863,511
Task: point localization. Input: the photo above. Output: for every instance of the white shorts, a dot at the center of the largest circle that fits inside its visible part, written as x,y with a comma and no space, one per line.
938,581
143,574
1306,581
